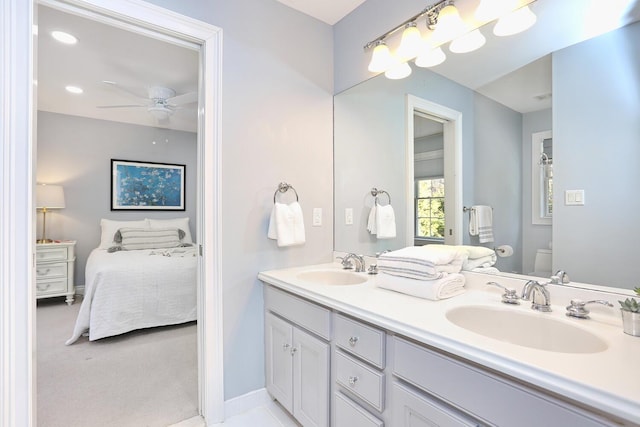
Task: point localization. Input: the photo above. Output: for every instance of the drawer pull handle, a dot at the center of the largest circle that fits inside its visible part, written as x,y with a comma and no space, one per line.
293,350
43,272
43,287
353,341
285,347
353,380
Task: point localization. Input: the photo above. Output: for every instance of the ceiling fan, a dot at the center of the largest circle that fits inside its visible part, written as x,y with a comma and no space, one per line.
161,102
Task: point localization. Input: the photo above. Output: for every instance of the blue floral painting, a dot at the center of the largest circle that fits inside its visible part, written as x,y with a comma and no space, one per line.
147,186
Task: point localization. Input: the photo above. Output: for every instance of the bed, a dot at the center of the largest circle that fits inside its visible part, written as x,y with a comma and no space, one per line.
127,290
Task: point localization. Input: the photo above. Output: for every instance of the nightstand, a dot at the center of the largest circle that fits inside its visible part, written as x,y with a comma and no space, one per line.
54,270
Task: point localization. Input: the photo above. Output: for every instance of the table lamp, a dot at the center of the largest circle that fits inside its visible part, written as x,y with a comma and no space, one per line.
48,197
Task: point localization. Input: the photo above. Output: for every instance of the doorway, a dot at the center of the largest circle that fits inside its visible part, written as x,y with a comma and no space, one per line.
18,394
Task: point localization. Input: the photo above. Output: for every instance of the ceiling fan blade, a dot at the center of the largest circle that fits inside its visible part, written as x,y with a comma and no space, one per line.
120,106
125,90
186,98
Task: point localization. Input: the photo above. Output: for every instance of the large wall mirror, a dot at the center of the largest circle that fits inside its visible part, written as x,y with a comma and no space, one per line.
593,112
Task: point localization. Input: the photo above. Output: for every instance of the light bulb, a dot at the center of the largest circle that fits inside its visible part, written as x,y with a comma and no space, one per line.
468,42
430,57
398,71
411,42
515,22
449,25
381,59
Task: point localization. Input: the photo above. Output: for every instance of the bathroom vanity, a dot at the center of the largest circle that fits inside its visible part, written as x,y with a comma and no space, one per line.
342,352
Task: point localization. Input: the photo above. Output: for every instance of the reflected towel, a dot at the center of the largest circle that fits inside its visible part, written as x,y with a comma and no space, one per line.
286,224
385,222
481,223
447,286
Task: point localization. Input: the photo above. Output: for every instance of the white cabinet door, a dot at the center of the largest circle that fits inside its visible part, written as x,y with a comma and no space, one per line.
278,339
311,379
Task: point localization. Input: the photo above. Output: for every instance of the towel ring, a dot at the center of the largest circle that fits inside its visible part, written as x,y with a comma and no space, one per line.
283,187
375,192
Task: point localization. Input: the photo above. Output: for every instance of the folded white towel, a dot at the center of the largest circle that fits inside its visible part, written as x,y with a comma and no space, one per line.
486,261
481,223
448,286
486,270
476,252
385,222
371,222
286,224
422,262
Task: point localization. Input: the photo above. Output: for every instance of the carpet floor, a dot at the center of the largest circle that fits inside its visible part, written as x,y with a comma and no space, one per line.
142,378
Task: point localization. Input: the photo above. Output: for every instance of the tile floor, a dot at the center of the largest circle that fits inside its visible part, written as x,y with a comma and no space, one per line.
269,415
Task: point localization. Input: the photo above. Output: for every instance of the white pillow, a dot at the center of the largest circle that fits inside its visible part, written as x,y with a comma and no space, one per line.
181,223
109,228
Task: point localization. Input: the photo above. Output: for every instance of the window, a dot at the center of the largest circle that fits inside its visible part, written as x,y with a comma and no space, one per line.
429,207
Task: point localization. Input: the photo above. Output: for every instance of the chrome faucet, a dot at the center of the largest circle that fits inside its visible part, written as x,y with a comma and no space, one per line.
359,260
530,292
561,277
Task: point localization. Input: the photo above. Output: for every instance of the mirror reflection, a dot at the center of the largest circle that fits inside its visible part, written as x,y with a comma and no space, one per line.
584,222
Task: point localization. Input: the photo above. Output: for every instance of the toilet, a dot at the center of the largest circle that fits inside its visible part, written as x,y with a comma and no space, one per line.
542,265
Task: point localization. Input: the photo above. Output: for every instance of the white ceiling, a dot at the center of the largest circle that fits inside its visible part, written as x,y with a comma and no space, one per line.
137,62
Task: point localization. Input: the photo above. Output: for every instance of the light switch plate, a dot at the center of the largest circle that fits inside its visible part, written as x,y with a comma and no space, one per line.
317,217
348,216
574,197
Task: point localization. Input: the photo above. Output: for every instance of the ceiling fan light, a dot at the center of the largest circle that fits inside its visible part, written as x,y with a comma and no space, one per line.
468,43
398,71
411,42
515,22
449,25
430,57
381,59
160,113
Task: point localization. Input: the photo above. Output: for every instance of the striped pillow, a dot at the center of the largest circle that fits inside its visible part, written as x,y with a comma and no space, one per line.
149,238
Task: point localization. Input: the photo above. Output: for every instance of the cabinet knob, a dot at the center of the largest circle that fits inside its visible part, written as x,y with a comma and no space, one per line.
353,341
285,347
353,380
293,350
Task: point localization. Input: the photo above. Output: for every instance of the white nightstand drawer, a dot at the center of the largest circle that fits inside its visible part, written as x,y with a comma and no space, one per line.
52,286
51,254
361,380
51,271
362,340
350,414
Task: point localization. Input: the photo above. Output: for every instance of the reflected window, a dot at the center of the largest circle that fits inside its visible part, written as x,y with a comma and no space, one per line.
429,209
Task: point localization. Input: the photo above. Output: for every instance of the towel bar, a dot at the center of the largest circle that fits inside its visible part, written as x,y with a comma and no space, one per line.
375,192
283,187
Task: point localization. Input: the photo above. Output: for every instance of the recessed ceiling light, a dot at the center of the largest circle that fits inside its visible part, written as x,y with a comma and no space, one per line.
63,37
74,89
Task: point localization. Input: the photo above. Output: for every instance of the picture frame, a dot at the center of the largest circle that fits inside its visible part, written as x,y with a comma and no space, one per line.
141,186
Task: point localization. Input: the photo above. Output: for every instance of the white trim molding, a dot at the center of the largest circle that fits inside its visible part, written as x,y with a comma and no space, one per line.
17,302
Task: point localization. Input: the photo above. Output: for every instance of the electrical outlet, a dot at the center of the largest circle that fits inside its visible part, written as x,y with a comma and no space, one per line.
348,216
317,217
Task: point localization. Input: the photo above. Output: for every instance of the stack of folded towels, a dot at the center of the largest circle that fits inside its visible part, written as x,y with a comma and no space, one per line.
430,272
479,259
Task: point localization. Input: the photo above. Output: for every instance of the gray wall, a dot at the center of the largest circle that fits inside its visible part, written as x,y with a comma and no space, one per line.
76,153
596,148
276,126
534,236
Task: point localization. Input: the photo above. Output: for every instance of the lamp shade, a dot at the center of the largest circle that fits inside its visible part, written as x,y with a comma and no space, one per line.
49,196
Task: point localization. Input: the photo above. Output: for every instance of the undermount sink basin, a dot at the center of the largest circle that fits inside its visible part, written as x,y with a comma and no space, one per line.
332,277
526,330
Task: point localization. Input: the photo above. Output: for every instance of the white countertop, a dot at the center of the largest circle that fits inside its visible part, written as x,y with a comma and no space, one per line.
608,380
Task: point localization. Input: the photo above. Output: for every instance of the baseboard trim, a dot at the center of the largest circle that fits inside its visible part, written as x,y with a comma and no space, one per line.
246,402
80,290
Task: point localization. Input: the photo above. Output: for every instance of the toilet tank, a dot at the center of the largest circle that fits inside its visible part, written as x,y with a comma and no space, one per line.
543,261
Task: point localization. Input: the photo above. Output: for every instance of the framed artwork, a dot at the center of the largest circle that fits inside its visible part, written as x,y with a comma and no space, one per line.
137,186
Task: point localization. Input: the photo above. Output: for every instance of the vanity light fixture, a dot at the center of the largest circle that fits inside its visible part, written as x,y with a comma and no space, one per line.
447,26
63,37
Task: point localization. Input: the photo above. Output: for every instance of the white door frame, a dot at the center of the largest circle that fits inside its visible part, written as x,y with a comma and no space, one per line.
17,168
452,135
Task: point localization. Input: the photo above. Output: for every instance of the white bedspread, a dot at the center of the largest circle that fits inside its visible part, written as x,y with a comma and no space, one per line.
129,290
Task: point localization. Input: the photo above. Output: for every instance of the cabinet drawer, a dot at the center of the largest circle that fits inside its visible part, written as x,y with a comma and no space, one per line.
51,254
362,340
51,271
477,391
350,414
361,380
51,286
411,409
306,314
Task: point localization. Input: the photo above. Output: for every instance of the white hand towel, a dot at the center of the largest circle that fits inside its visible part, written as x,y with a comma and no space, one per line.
481,223
371,223
448,286
286,224
385,222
